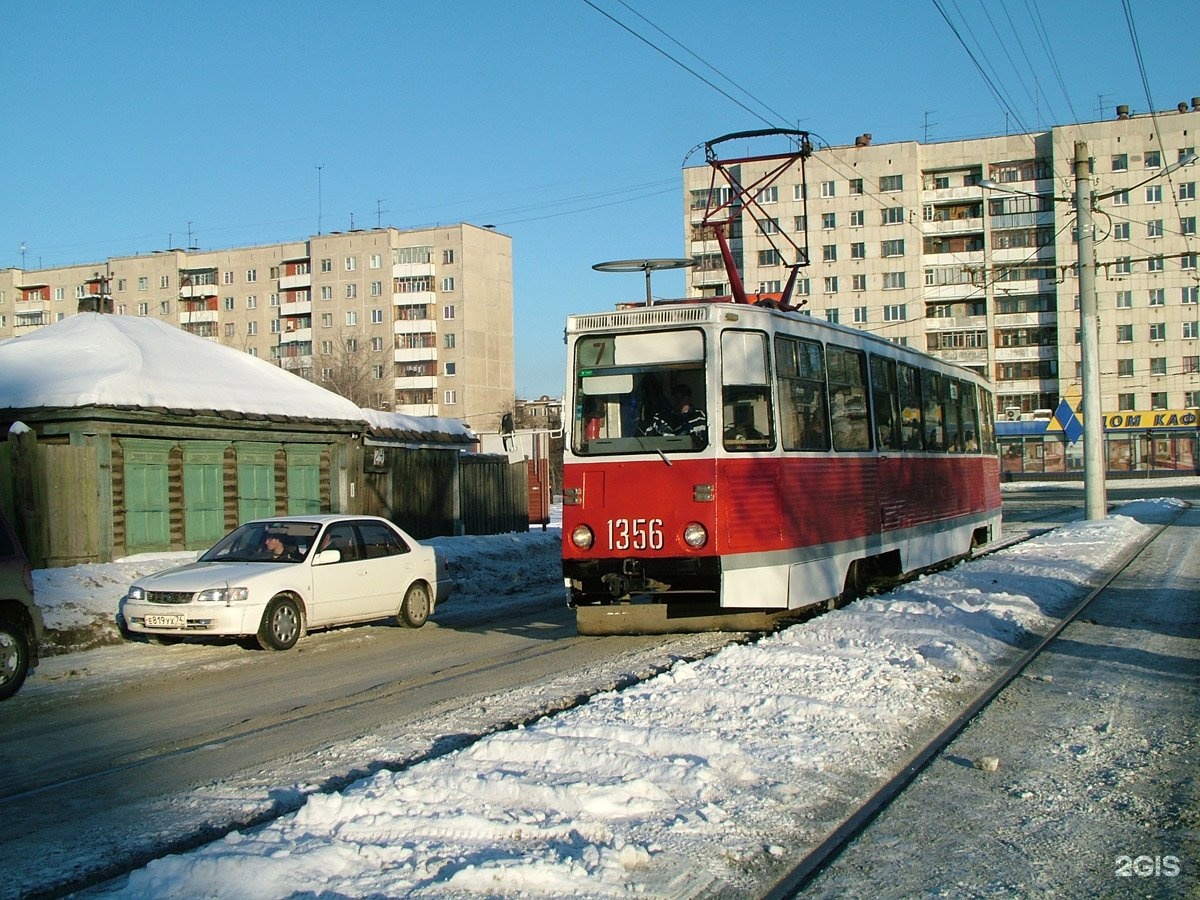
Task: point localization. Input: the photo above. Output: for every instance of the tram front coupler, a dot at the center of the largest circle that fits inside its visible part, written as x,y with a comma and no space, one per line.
631,580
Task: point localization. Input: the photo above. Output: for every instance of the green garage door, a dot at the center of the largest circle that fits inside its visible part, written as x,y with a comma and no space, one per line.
303,479
203,493
256,481
147,502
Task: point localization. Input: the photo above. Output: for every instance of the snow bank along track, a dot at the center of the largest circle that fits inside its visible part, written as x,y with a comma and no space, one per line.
840,837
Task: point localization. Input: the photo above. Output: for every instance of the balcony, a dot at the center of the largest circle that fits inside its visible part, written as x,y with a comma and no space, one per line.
973,356
415,354
416,382
197,291
952,226
297,335
295,308
415,326
955,323
295,282
1037,351
417,409
412,270
195,318
414,298
947,195
1010,320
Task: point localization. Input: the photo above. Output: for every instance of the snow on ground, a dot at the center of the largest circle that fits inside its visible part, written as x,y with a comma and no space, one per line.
693,781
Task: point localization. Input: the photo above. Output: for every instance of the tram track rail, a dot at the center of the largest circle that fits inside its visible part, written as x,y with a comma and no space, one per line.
839,838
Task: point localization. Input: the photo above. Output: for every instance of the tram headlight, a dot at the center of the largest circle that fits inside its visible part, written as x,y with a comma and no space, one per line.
582,537
695,535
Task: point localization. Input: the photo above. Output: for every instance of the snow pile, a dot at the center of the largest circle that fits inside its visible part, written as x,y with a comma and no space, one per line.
694,779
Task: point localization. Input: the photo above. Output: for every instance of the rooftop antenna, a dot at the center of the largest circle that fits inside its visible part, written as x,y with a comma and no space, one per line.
22,255
319,168
378,213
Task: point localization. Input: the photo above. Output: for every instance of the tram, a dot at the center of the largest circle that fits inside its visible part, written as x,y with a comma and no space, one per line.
733,461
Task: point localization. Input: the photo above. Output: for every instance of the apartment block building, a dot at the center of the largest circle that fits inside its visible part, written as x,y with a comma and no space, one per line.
967,249
412,321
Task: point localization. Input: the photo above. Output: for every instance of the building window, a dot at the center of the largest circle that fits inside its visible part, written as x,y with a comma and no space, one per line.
251,275
1191,330
1187,225
1155,264
164,308
1121,231
896,312
275,326
447,257
1187,261
1123,265
376,288
451,368
326,292
351,263
1191,365
828,220
832,314
829,252
1125,368
769,226
1120,162
1121,198
352,344
892,248
327,346
447,312
828,189
1158,400
858,250
1124,334
273,301
768,195
770,287
251,328
251,302
447,284
1191,399
1154,228
1124,299
227,277
230,329
377,317
351,317
891,183
450,398
1153,159
802,287
1126,402
893,281
327,265
1158,331
326,320
1190,295
351,291
228,302
893,215
1158,365
143,283
831,285
1187,190
856,186
164,281
769,257
376,344
376,261
448,340
120,284
1158,297
860,315
801,223
377,372
858,282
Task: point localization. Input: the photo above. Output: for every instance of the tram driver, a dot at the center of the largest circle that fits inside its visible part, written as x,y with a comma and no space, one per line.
684,419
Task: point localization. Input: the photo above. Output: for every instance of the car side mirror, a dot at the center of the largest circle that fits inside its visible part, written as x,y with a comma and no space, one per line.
325,557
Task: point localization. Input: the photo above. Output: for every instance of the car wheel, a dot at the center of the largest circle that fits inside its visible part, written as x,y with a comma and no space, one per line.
14,657
280,628
414,611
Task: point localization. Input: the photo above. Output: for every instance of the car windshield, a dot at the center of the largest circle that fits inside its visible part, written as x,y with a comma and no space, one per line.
267,541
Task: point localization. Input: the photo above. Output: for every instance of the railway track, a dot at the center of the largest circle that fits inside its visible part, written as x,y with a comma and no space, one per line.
839,838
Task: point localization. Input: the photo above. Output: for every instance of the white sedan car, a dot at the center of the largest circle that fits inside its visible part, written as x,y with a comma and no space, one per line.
275,579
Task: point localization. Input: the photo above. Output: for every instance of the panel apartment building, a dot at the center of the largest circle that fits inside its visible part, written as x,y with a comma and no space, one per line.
906,241
411,321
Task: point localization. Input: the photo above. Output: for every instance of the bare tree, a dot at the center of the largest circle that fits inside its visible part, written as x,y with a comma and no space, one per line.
348,369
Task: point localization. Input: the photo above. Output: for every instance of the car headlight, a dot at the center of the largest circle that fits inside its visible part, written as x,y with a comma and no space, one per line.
223,595
582,537
695,535
136,593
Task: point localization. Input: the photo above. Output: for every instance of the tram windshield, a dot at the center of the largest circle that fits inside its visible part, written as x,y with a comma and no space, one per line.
640,393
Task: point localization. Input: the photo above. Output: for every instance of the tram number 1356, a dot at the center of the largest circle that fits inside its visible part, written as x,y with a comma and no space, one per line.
635,534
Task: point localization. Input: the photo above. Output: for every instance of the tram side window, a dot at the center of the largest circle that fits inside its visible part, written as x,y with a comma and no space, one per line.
746,392
803,405
848,398
970,418
987,425
885,402
935,429
952,412
912,435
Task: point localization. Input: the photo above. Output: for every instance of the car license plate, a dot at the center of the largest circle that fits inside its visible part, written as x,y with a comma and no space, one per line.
166,621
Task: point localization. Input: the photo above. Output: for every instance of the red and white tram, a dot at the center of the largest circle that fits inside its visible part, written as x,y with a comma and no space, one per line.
824,455
730,460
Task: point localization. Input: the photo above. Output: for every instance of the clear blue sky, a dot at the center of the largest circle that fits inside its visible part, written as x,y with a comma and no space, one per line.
127,122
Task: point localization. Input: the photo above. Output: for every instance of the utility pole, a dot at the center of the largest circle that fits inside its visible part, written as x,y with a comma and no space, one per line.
1095,499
